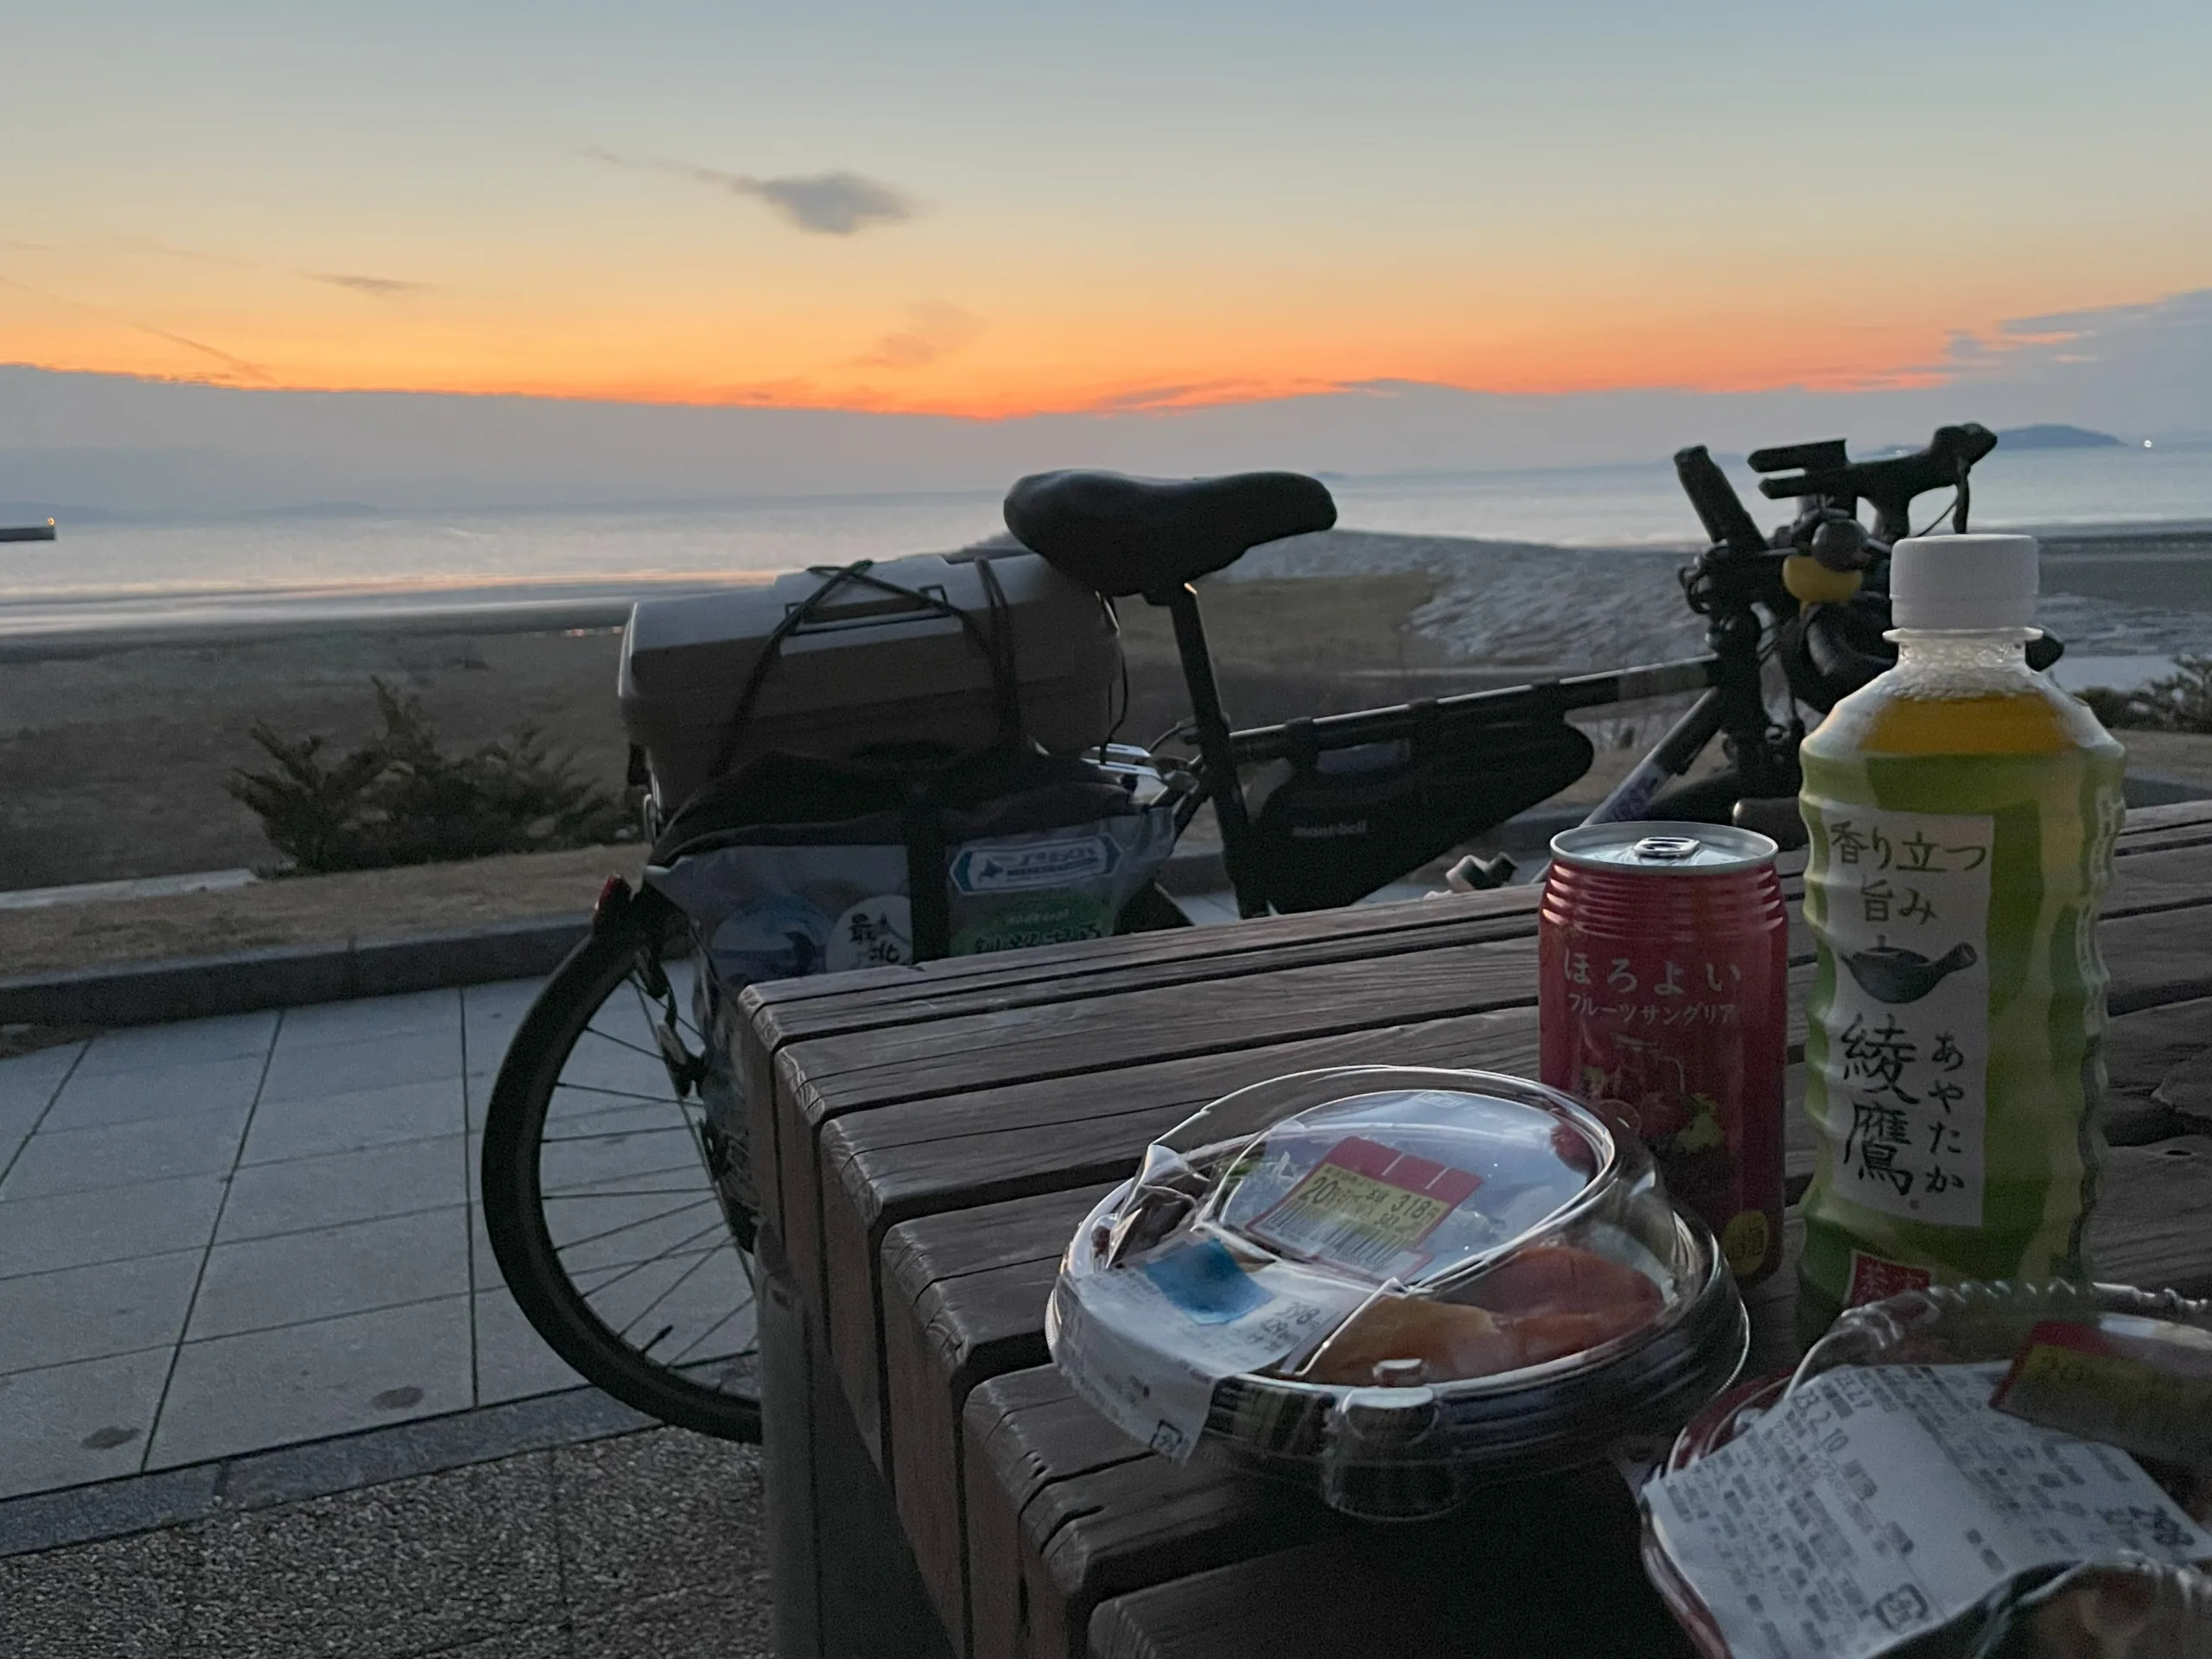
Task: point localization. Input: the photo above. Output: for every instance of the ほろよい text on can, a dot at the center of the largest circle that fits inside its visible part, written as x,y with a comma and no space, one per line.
1663,949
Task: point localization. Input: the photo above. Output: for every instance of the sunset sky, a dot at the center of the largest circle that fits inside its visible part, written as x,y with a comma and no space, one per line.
980,207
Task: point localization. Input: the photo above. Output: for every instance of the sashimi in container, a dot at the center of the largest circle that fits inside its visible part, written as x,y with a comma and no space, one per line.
1394,1285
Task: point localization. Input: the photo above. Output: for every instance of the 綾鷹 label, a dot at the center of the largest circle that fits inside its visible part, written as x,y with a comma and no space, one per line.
1901,1090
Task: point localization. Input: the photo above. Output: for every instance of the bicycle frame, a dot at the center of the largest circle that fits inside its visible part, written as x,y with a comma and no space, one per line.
1222,752
1735,579
1738,584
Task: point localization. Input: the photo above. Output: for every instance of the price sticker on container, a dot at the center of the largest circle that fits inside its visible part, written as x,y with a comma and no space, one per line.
2149,1393
1366,1208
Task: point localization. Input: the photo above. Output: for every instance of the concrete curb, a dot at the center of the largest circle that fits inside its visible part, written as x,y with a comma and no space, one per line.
134,994
289,1474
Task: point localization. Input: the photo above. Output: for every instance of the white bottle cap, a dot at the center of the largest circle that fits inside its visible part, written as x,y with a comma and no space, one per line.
1964,582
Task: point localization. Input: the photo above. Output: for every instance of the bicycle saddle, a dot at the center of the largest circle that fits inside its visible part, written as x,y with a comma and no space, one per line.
1149,535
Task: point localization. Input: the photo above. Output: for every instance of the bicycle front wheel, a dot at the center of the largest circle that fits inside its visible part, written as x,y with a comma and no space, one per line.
605,1196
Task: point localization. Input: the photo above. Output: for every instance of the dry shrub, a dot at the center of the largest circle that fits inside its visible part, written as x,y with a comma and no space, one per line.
401,800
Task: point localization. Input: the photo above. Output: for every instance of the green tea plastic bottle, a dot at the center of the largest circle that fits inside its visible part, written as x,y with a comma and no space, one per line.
1962,811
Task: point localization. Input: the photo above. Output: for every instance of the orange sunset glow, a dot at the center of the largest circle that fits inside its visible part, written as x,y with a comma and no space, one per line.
865,213
862,211
1113,353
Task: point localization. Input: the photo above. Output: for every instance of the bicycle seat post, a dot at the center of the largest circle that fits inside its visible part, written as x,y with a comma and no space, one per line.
1214,747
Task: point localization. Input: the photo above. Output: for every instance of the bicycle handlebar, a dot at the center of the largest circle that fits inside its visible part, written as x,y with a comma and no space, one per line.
1889,484
1718,507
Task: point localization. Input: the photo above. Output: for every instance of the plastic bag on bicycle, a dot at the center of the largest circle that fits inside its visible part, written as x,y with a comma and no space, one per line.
1333,826
793,866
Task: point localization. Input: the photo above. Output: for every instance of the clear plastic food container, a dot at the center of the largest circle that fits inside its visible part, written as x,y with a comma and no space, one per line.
1394,1285
2116,1605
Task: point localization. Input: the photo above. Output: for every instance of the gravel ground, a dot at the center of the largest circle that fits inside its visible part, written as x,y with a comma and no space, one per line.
647,1546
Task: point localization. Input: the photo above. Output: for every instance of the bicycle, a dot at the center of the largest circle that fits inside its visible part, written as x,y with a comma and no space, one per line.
620,1211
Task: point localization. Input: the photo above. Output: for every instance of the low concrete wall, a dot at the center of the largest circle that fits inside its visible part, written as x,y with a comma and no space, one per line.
133,994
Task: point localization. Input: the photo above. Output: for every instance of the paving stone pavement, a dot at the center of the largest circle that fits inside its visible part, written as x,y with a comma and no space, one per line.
221,1236
645,1546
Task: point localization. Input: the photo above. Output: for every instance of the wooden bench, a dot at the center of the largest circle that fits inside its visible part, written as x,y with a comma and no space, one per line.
928,1139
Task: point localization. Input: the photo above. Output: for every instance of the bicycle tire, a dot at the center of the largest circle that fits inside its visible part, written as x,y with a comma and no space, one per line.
717,1395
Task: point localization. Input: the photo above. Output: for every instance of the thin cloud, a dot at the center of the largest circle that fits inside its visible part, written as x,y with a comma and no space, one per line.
1197,394
934,329
2169,334
826,204
377,288
237,365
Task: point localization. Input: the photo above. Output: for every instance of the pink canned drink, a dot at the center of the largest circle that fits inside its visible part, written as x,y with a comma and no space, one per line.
1664,952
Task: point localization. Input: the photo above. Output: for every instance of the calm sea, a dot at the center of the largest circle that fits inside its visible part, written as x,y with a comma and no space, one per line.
140,565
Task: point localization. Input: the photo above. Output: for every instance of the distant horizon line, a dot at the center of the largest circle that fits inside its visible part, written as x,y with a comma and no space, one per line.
1153,402
30,507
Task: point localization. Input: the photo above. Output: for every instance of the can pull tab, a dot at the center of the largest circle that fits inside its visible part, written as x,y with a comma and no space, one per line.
1666,849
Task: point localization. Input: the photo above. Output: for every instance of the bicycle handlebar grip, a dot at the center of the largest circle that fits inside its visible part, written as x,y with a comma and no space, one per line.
1891,484
1827,454
1719,509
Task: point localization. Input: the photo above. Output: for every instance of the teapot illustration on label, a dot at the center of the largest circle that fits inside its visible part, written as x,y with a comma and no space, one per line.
1889,973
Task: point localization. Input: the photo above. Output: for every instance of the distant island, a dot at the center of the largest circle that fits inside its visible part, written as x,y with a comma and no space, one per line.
2054,437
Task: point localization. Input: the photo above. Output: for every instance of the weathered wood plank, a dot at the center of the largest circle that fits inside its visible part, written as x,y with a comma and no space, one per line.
2145,882
968,1290
787,1010
1112,1522
2148,886
1213,953
1089,1130
1550,1573
793,1008
1019,1431
756,1076
1018,1100
1318,1601
1044,1462
858,994
882,1166
2153,1222
937,1272
2145,924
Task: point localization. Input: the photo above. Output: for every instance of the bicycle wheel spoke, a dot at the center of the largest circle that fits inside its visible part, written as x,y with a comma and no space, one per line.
683,1279
602,1276
584,1187
675,1010
652,1054
612,1135
633,1193
644,1221
643,1277
620,1094
694,1343
663,1255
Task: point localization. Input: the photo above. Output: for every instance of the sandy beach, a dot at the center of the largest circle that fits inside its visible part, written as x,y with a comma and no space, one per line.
114,762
